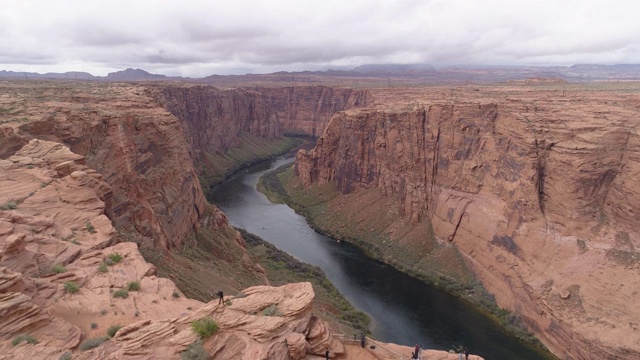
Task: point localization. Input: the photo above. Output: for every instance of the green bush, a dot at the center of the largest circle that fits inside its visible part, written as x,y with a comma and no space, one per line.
20,338
175,294
92,343
109,262
115,257
58,268
195,351
133,286
204,327
66,356
113,329
9,206
94,325
71,287
103,267
122,293
271,310
90,228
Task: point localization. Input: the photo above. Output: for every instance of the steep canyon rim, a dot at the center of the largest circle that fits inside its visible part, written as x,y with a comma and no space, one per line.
551,164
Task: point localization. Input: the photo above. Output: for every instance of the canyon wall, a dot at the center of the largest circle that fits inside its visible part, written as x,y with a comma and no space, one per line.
152,141
306,110
213,118
64,280
537,192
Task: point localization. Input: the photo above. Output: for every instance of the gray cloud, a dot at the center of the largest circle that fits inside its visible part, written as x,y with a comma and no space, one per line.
197,38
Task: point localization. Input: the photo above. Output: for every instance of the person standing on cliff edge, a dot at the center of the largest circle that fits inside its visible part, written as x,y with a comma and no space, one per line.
220,297
362,340
326,355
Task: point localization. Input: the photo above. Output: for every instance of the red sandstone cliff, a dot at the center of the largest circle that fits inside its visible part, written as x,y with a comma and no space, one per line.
148,139
538,193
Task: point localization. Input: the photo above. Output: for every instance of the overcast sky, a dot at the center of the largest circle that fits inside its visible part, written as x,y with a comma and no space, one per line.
199,38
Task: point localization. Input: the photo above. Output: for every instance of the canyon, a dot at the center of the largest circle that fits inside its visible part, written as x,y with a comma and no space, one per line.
531,184
534,187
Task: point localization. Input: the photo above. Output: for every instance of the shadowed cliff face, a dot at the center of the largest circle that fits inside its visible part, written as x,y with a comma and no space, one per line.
212,118
538,194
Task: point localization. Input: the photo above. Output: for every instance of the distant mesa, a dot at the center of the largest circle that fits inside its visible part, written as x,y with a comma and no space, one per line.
134,75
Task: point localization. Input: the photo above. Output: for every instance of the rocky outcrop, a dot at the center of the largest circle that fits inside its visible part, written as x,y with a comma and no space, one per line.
537,192
62,280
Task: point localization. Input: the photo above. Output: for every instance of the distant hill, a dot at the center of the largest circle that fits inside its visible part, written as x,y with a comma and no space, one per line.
71,75
134,75
407,73
123,75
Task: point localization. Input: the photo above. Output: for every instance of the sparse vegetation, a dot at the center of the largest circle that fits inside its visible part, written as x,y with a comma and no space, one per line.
204,327
66,356
103,267
133,286
92,343
582,245
115,257
103,312
76,242
11,205
112,330
175,294
71,287
195,351
90,228
122,293
26,338
271,310
228,302
94,325
58,269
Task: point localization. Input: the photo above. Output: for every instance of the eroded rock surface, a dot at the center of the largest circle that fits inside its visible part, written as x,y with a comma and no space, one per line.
59,275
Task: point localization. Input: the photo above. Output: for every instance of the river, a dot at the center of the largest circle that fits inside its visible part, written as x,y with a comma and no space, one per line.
403,310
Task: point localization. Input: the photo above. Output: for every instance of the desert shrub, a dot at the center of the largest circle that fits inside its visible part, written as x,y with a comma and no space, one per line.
102,267
204,327
175,294
94,325
195,351
271,310
115,257
11,205
228,303
92,343
122,293
112,330
27,338
133,286
58,268
71,287
90,228
66,356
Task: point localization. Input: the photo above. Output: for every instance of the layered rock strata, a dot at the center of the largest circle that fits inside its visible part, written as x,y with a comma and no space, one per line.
536,191
59,277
